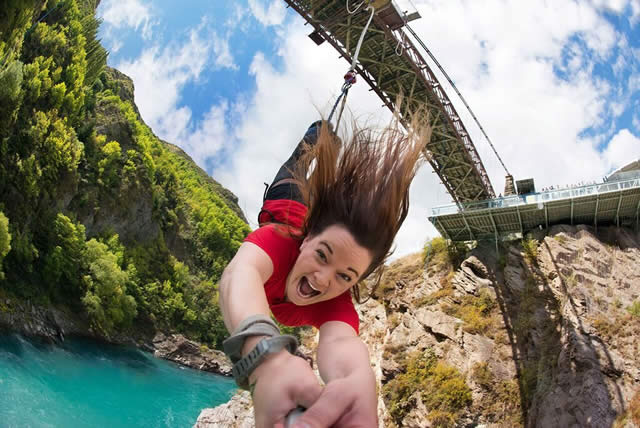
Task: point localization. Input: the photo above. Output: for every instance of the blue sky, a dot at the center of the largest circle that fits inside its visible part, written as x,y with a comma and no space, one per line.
235,83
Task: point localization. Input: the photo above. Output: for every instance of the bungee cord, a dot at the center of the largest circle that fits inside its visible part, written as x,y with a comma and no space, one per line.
350,76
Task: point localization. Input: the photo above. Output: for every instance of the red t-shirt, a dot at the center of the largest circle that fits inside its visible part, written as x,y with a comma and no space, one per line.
283,249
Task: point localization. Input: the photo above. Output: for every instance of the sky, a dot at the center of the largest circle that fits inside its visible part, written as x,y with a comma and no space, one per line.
235,83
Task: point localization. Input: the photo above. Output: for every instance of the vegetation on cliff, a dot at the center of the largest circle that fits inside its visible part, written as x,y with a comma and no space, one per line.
96,213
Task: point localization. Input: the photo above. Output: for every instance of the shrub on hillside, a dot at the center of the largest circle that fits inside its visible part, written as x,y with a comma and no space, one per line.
475,311
634,408
5,240
439,253
634,308
530,247
442,389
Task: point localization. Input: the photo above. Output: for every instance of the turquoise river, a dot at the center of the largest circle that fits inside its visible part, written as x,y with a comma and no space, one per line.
87,384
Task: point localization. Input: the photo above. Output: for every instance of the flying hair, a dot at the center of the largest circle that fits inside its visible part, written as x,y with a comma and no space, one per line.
363,184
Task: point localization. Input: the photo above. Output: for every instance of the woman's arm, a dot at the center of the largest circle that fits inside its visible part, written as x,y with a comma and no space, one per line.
242,285
349,398
282,381
341,352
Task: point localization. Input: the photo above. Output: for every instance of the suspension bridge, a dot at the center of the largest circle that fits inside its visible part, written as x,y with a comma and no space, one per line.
390,57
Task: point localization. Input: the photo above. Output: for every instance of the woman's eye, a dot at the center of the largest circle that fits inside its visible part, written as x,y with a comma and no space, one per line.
347,278
321,255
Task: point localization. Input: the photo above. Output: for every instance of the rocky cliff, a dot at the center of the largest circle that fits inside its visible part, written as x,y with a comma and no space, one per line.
541,333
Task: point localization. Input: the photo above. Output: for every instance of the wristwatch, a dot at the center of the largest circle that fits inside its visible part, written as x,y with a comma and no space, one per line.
245,366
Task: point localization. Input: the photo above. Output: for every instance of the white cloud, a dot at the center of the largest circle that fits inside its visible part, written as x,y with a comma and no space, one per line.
619,6
271,14
623,148
222,52
635,13
237,21
615,6
159,76
116,45
122,14
210,135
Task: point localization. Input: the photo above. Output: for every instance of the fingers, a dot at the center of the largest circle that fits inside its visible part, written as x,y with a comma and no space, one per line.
325,411
308,393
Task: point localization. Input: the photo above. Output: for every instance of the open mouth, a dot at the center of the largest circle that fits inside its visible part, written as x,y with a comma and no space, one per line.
305,289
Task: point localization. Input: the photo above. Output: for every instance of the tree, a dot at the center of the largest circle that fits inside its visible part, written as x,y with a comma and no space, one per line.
64,262
5,240
106,299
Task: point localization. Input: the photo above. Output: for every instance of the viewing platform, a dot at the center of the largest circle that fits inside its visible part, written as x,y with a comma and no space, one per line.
613,202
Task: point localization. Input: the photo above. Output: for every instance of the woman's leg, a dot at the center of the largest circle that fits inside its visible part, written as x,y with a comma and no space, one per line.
283,185
310,137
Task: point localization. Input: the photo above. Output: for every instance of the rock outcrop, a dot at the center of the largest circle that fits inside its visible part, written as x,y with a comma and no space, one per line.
46,322
542,333
179,349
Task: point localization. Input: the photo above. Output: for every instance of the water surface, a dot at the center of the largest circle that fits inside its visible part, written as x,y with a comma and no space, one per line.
88,384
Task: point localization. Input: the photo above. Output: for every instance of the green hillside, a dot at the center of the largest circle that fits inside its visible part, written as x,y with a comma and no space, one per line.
97,214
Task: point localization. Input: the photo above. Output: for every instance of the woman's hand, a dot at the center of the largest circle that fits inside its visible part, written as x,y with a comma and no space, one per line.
280,384
347,402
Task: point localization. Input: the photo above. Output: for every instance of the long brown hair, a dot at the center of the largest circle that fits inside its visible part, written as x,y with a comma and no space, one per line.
363,187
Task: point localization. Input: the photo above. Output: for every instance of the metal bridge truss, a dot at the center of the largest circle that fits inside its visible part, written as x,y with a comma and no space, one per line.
392,66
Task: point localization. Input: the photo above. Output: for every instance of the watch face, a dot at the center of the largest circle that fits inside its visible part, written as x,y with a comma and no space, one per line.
243,368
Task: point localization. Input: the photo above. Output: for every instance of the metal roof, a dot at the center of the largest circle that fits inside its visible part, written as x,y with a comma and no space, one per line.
615,202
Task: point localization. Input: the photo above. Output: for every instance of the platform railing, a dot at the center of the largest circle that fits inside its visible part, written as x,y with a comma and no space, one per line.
540,197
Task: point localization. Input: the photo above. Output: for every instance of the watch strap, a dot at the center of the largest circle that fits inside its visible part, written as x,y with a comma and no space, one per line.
255,325
246,365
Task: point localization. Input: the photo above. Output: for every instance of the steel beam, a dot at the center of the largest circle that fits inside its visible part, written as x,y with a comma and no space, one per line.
595,214
445,233
618,210
467,224
462,181
571,211
546,216
495,230
382,64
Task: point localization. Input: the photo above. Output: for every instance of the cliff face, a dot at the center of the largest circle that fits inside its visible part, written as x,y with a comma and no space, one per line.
541,334
100,220
542,331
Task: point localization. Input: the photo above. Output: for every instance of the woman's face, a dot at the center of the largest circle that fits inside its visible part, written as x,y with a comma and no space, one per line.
329,264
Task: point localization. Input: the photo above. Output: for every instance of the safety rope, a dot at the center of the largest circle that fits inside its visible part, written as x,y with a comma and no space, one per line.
400,46
351,12
350,76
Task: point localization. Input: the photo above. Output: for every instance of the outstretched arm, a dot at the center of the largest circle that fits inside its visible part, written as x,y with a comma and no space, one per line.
349,398
283,381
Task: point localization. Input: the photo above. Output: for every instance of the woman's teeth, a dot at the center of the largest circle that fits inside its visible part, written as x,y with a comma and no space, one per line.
306,290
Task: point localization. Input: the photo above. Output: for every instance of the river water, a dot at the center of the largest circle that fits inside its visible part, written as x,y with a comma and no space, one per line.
88,384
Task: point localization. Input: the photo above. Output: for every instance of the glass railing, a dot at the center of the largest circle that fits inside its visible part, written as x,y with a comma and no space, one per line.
541,197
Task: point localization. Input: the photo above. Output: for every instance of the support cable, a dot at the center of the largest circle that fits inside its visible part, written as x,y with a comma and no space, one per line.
459,94
350,76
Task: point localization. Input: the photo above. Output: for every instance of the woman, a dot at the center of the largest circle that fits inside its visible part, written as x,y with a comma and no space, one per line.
320,235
